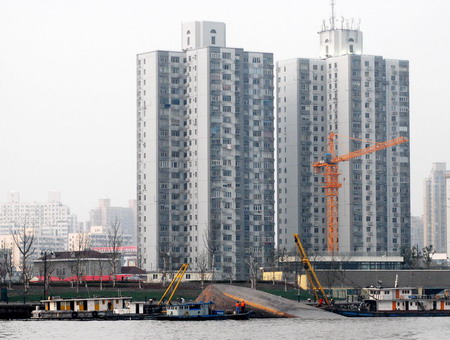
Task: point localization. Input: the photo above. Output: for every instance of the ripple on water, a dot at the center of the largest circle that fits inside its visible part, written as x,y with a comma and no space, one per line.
274,329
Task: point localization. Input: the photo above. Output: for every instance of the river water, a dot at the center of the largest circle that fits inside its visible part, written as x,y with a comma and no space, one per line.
274,329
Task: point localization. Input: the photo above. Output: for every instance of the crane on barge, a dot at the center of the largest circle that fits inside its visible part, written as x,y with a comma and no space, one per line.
173,286
316,286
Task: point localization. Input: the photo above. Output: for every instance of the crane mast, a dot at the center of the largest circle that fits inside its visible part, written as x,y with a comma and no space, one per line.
173,286
329,167
314,282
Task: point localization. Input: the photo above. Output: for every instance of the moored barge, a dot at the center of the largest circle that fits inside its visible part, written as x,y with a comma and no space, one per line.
395,302
107,308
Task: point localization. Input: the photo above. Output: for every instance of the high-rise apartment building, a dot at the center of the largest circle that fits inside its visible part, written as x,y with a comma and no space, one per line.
205,154
435,209
360,98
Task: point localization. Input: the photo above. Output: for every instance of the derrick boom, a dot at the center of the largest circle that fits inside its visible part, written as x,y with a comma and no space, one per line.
314,282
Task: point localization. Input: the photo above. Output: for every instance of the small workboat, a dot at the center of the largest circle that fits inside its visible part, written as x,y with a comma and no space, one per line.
395,302
199,311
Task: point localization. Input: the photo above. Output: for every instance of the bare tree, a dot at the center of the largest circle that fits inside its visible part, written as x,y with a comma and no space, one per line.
406,253
165,251
427,255
335,272
101,270
47,270
115,242
253,261
282,258
416,255
3,270
274,259
139,264
212,248
24,238
203,266
228,274
79,252
5,261
9,266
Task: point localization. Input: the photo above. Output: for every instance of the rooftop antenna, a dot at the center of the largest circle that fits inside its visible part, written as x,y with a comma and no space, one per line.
332,14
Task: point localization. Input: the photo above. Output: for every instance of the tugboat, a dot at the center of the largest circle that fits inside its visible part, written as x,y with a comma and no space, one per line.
199,311
395,302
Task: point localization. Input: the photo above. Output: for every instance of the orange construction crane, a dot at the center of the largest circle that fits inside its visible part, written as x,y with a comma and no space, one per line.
329,166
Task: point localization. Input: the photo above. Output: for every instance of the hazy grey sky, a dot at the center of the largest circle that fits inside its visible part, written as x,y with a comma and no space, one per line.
67,80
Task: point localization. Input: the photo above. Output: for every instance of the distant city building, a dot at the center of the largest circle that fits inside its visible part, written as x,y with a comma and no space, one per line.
205,158
50,221
360,98
78,241
435,209
447,214
96,237
128,255
417,232
9,250
105,216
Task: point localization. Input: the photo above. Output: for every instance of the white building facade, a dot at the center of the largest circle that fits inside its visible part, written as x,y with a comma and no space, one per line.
435,208
205,154
360,98
50,221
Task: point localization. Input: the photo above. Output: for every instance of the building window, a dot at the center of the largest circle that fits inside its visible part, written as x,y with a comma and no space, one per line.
213,40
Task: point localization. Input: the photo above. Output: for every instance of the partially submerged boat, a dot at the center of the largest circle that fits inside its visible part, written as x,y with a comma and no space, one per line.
395,302
199,311
107,308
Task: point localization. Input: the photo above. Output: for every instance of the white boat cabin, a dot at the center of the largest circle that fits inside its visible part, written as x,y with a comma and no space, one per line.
87,304
190,309
404,299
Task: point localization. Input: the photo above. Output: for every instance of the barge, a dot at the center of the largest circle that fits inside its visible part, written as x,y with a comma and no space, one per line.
106,308
395,302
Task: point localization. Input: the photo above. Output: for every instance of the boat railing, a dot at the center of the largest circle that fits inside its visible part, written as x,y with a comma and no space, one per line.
403,297
420,297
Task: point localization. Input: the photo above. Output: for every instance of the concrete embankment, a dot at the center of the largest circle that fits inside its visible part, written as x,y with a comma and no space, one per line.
263,304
